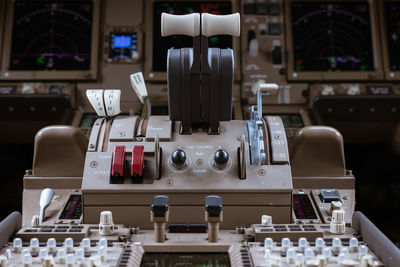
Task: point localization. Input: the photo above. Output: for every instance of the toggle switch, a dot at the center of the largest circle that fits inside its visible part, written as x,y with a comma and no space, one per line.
69,244
251,34
34,244
118,162
277,55
335,205
253,47
137,164
48,261
213,216
62,255
43,253
17,245
51,245
35,222
266,221
86,245
159,216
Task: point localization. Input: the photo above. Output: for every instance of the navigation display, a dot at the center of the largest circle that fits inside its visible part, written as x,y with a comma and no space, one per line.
51,35
162,44
392,16
332,36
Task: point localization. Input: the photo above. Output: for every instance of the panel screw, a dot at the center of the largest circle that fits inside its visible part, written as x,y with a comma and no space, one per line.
262,172
93,164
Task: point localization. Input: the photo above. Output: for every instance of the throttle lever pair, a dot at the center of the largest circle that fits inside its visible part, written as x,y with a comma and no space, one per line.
190,24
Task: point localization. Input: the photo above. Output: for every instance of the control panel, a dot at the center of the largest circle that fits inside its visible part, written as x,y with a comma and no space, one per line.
195,133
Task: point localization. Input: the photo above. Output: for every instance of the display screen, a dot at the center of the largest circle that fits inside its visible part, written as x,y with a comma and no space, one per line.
122,41
332,36
51,35
392,15
73,208
172,259
123,46
162,44
302,207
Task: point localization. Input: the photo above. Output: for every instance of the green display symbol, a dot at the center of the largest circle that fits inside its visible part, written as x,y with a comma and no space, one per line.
40,60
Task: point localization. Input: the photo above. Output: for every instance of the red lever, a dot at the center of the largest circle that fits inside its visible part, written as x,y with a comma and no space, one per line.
137,161
117,168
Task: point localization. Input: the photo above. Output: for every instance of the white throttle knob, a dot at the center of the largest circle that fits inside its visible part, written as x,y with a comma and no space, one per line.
106,225
220,24
180,24
337,225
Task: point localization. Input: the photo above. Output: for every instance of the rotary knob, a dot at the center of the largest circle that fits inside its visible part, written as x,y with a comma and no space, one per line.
178,158
221,158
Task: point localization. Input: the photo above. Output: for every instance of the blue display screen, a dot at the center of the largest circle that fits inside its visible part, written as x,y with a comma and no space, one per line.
122,41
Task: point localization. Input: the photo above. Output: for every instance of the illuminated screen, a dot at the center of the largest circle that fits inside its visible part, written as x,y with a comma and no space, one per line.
51,35
392,15
171,259
123,46
302,207
122,41
332,36
162,44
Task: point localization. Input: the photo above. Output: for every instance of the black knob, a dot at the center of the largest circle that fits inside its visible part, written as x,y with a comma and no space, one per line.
178,158
221,158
